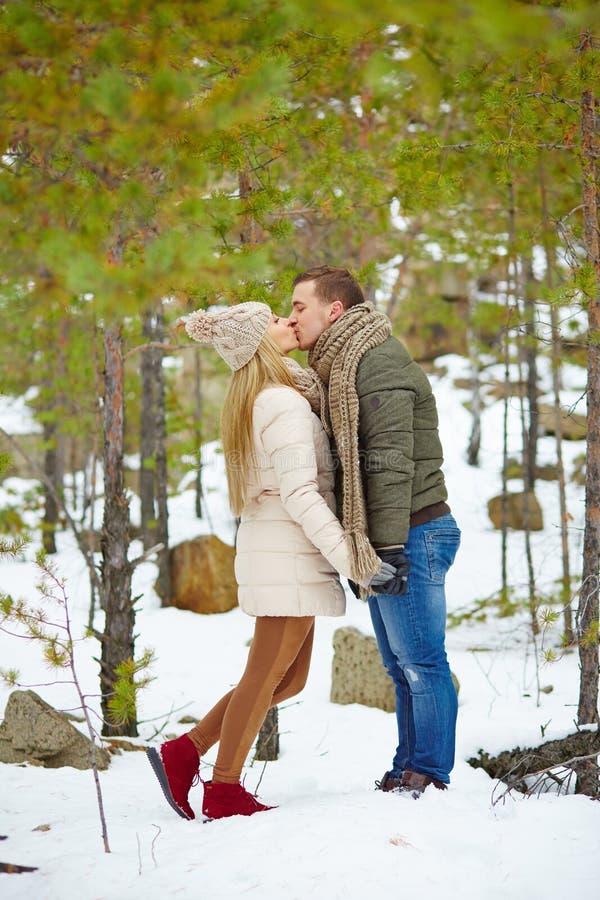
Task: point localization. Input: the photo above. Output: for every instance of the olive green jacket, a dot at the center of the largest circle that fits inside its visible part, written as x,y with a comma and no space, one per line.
399,443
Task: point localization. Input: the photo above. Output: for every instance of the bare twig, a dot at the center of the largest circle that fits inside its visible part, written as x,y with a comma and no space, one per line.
156,345
261,777
146,555
154,840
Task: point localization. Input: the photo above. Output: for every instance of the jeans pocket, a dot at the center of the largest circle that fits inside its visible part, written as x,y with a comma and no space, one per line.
441,546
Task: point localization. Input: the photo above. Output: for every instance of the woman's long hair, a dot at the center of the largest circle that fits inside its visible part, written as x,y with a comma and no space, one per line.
266,368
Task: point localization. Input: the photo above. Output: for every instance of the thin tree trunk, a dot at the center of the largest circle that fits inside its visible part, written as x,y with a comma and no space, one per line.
527,494
54,450
504,494
517,287
267,742
161,471
249,232
476,404
52,472
530,357
118,640
94,474
556,386
150,361
587,624
198,411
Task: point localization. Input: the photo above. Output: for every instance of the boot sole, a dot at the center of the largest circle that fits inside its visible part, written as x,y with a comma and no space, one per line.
159,770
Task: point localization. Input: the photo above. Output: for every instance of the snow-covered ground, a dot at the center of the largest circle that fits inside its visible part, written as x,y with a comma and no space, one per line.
332,836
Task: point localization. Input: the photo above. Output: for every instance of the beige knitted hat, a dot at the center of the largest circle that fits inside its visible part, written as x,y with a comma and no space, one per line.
234,332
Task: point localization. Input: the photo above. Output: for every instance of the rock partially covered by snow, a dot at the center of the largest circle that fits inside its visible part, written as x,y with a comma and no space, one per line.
34,732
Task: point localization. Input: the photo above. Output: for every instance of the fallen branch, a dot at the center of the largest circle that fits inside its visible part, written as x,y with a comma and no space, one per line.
516,767
557,778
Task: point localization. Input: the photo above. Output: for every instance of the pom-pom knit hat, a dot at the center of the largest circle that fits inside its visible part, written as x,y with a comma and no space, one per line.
234,332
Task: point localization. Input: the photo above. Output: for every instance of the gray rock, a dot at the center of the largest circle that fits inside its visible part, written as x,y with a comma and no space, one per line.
358,674
34,732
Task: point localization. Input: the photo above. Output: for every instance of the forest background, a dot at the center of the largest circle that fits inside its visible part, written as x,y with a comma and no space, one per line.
161,157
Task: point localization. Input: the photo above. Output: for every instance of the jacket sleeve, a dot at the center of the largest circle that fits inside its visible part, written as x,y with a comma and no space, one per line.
286,427
386,439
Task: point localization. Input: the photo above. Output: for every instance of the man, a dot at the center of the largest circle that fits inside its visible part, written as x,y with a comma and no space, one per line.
391,499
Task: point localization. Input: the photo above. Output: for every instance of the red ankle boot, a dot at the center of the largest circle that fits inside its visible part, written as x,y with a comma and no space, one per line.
176,767
222,800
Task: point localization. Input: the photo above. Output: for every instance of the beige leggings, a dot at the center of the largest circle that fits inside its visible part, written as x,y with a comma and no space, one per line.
276,670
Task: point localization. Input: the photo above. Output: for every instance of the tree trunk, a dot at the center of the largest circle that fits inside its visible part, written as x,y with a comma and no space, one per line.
150,362
504,521
519,291
587,624
198,430
476,405
249,231
530,359
52,469
93,464
117,641
556,387
54,449
267,742
161,484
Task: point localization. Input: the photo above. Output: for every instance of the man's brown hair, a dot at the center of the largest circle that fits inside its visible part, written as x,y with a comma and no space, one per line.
333,283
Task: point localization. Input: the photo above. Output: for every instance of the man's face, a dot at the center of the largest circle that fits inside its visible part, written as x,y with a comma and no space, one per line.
310,317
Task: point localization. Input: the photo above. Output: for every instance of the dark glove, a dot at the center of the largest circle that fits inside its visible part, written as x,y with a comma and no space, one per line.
397,558
354,588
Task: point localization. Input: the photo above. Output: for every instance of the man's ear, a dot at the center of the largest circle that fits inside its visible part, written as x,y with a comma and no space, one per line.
337,308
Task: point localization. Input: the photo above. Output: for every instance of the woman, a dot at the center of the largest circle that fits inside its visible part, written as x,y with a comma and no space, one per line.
290,547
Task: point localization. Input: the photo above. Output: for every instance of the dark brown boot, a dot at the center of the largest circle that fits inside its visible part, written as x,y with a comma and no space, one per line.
416,782
389,782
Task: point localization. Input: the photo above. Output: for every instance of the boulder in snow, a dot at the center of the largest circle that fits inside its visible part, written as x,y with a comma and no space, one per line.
202,575
34,732
515,512
358,674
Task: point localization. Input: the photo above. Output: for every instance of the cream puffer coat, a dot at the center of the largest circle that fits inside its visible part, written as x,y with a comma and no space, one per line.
290,545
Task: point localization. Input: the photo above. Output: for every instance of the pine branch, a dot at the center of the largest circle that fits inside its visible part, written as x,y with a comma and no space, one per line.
572,104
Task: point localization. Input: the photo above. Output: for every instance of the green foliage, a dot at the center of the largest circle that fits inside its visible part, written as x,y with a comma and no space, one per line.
501,604
10,677
123,703
11,520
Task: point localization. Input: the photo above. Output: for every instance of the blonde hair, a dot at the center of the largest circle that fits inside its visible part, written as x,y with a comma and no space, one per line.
265,368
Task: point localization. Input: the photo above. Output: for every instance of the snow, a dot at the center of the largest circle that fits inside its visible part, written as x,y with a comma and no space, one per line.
16,417
331,836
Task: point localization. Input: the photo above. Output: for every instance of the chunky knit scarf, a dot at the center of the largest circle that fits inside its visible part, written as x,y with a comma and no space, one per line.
334,359
311,387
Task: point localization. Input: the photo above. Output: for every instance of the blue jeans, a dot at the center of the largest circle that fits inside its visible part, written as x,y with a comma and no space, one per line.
410,631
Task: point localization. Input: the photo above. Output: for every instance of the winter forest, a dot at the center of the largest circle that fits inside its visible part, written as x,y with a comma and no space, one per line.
159,158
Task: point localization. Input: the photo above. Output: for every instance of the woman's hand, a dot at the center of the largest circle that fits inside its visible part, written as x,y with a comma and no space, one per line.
386,574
